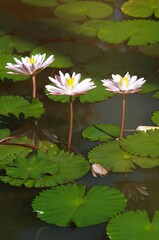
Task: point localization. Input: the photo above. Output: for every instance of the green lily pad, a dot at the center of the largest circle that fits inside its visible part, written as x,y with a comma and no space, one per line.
111,62
152,84
78,11
4,133
155,118
143,144
21,105
9,44
151,50
155,95
8,22
101,132
70,203
135,32
46,3
113,158
132,225
4,59
46,168
141,8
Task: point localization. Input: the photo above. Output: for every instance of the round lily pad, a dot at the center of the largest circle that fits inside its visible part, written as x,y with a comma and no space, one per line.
101,132
141,8
155,118
133,225
111,156
71,203
135,32
143,144
152,84
78,11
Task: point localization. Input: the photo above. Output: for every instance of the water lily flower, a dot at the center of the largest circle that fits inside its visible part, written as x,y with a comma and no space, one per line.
65,84
146,128
97,169
123,85
30,66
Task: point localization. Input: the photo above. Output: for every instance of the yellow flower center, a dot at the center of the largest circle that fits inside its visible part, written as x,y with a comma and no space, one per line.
70,82
124,79
31,60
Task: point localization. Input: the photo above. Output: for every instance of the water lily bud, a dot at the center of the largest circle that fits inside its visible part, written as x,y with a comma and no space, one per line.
145,128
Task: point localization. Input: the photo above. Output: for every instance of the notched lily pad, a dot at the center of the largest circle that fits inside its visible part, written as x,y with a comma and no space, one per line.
101,132
143,144
45,168
141,8
155,118
135,32
21,105
111,156
78,11
71,203
132,225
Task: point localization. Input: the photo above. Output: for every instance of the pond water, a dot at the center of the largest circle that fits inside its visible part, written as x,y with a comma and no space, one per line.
18,222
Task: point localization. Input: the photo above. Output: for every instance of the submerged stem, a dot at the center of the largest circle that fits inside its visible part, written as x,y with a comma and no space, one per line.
122,117
70,124
33,87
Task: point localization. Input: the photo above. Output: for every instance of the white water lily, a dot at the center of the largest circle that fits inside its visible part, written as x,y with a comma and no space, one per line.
123,85
30,66
65,84
97,169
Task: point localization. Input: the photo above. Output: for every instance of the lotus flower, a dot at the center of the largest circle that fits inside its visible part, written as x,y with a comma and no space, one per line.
30,66
69,85
97,169
123,85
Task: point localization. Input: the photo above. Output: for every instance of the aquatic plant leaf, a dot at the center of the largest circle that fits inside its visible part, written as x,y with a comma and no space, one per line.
155,95
135,32
111,62
8,22
143,144
4,59
21,105
9,152
78,11
152,83
9,44
132,225
46,168
101,132
112,157
71,203
4,133
141,8
155,118
46,3
151,50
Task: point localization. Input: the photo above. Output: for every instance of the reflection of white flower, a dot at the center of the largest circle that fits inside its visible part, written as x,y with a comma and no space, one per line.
145,128
123,85
97,169
69,85
30,66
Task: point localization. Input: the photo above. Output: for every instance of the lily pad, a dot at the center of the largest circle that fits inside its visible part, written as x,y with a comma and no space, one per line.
155,118
135,32
4,59
141,8
8,22
101,132
21,105
46,168
132,225
46,3
155,95
113,158
111,62
151,50
152,84
78,11
143,144
70,203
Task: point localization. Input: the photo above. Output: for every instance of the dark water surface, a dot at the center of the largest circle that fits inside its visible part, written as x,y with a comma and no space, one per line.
17,221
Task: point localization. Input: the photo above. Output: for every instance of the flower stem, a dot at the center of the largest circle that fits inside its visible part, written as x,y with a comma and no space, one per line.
71,124
33,87
122,117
